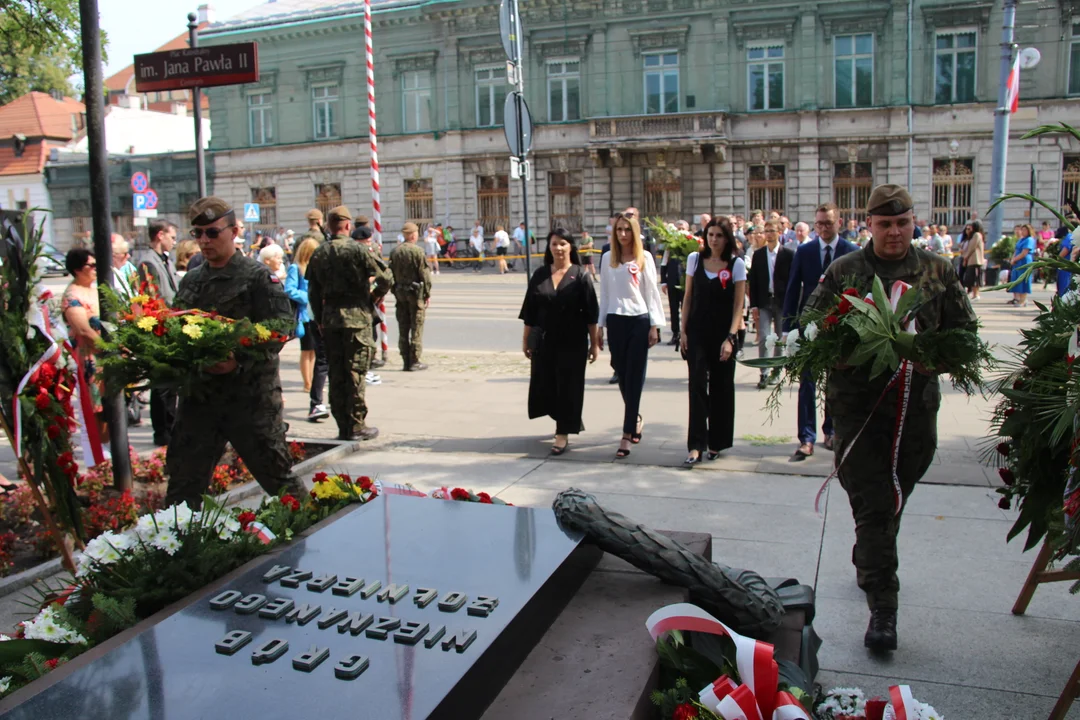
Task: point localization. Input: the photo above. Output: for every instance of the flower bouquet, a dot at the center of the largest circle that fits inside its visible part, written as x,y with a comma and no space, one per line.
155,346
463,495
876,332
678,243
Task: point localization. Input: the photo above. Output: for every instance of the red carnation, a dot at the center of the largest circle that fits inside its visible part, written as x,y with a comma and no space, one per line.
484,498
459,494
1004,503
42,401
345,478
364,482
51,664
159,330
319,477
852,292
1007,476
832,321
685,711
53,432
290,502
64,459
1003,448
245,341
246,518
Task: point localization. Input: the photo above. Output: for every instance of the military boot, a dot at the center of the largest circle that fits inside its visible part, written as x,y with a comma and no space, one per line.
881,632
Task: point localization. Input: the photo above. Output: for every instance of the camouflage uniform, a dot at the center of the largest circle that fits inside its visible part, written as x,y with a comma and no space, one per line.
242,407
412,288
866,475
342,300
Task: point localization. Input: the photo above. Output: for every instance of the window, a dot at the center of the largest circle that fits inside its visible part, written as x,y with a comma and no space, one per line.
564,83
564,200
1070,179
663,193
1074,60
260,119
419,201
493,198
416,94
327,197
854,70
80,216
324,99
661,83
490,96
266,197
852,182
21,205
954,80
953,180
766,188
766,77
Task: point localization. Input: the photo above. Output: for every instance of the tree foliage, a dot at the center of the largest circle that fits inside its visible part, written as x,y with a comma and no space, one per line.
40,46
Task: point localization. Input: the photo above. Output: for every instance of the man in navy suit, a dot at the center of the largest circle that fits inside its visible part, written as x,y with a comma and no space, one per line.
811,260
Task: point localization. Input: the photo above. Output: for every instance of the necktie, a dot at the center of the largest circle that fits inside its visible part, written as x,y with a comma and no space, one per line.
828,258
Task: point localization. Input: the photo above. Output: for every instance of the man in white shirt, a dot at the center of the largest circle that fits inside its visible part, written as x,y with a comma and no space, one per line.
476,242
502,244
800,234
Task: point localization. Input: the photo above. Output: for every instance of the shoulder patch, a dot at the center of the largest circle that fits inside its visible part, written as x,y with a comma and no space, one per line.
274,278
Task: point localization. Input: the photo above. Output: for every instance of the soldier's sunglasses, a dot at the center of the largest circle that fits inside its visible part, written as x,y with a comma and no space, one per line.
211,233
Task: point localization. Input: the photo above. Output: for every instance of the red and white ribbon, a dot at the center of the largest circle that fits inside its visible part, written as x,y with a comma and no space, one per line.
635,271
384,342
262,532
757,697
903,704
38,317
376,216
724,277
397,489
901,380
89,435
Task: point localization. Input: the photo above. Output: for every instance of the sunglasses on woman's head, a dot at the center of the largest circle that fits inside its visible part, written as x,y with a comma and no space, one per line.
211,233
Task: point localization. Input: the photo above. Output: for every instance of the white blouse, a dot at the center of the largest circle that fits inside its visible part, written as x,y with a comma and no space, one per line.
738,268
620,295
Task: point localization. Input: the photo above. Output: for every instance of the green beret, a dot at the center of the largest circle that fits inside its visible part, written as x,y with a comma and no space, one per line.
889,200
205,211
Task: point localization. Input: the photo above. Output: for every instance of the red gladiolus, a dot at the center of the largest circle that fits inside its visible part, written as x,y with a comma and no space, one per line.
1004,503
1006,476
319,477
685,711
246,518
459,494
290,502
42,401
1003,448
484,498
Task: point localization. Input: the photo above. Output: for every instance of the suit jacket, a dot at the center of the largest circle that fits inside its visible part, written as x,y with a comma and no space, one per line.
159,269
806,273
759,277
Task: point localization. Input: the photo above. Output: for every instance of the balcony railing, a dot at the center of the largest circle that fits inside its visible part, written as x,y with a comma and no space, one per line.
649,127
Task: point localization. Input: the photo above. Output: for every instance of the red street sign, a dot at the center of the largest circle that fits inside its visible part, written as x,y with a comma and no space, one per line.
197,67
139,182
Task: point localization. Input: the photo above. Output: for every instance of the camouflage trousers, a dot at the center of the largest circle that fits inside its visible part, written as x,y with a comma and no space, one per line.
255,426
349,352
866,475
410,319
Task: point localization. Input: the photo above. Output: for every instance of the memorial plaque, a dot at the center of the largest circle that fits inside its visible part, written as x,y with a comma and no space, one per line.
468,591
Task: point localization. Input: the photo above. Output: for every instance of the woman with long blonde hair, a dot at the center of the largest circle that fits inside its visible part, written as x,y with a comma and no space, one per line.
313,365
632,310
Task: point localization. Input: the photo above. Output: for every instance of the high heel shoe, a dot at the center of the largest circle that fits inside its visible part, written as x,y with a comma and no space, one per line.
692,460
635,437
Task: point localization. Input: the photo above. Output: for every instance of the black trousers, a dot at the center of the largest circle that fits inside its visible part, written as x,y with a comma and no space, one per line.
162,414
322,367
675,298
712,399
628,338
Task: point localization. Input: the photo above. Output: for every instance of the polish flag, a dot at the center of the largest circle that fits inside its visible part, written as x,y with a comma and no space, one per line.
1012,86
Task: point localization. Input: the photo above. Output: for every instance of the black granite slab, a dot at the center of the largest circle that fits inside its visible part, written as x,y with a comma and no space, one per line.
500,575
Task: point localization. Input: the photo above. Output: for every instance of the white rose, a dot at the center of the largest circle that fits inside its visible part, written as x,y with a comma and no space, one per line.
791,347
5,683
811,331
770,341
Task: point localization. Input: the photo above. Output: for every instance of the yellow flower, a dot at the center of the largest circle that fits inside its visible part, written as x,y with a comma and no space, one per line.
328,490
193,319
193,331
261,332
140,299
146,323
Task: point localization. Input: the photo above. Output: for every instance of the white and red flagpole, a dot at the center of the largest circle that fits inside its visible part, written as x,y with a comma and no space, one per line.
1012,86
372,135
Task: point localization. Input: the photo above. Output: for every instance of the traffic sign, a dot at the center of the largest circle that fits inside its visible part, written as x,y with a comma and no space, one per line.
516,115
146,214
139,182
510,30
138,201
251,212
151,199
140,222
197,67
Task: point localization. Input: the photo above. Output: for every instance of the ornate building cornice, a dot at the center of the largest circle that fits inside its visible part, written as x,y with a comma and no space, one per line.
862,20
757,29
415,61
957,14
559,46
333,72
659,38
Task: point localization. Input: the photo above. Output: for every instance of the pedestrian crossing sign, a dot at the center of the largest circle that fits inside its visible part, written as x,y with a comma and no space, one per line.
251,212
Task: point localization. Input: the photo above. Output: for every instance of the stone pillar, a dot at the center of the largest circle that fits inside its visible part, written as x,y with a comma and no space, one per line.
593,92
720,89
812,178
807,72
449,91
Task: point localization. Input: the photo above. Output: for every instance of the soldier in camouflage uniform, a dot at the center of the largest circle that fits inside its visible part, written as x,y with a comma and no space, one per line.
242,404
412,291
345,280
866,474
315,229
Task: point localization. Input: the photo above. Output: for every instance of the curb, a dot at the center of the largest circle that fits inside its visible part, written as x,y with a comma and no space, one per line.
29,576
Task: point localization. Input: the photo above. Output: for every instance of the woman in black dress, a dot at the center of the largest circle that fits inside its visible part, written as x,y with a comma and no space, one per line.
711,318
560,312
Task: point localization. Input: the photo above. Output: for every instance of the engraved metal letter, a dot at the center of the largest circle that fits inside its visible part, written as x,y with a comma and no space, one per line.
270,651
250,604
433,639
461,640
382,628
331,617
303,614
411,632
483,606
294,578
311,659
424,596
350,667
356,622
232,642
347,586
452,601
276,573
370,589
321,583
277,607
393,592
225,600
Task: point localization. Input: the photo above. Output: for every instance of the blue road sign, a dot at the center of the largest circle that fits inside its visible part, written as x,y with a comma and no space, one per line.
138,200
251,212
151,199
139,182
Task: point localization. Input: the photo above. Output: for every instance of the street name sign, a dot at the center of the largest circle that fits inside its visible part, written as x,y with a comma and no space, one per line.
197,67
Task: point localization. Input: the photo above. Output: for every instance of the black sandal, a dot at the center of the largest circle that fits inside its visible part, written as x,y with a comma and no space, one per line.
691,460
712,455
556,450
635,437
620,453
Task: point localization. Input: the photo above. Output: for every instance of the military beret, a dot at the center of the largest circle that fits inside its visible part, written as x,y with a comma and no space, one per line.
339,213
409,228
361,232
314,215
889,200
361,220
205,211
